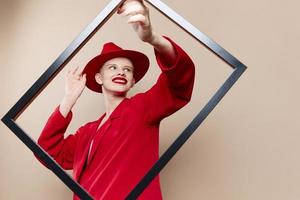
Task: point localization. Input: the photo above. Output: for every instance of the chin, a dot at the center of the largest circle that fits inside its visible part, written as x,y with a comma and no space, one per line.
120,94
117,91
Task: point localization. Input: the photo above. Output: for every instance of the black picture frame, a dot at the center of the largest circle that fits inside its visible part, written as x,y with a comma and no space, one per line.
10,117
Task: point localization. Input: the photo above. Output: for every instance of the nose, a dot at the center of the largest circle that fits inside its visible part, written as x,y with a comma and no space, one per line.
121,72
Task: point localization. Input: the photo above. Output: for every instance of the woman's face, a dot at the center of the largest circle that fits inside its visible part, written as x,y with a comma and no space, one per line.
116,76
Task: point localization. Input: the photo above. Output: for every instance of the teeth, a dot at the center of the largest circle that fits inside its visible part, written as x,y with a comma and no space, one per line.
118,80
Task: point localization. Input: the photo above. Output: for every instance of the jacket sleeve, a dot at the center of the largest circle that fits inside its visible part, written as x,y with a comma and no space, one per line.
173,88
53,142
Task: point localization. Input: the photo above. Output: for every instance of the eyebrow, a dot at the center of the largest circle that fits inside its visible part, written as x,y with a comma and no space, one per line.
108,64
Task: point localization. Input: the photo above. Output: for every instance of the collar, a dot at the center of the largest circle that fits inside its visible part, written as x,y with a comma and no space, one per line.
117,111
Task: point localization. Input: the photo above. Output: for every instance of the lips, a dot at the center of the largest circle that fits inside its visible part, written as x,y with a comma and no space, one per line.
119,80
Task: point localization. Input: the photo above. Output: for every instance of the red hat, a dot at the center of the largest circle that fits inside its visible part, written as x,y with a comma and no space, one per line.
139,60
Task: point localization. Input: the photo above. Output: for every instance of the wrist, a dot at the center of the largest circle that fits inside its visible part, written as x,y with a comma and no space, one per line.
66,105
69,99
154,40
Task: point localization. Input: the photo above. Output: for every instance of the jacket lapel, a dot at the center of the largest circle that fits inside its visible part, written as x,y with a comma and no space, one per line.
84,156
103,129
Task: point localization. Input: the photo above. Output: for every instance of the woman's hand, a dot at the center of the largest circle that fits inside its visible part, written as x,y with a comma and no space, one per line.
74,86
138,16
74,83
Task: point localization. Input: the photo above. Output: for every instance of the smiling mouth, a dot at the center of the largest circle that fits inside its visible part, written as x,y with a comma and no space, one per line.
119,80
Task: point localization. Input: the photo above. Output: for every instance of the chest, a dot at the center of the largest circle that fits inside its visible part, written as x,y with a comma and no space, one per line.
109,133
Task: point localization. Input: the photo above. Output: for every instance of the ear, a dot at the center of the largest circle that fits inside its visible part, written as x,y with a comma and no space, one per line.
133,82
99,78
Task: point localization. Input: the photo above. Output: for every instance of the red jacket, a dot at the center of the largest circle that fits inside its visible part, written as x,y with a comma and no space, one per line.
126,146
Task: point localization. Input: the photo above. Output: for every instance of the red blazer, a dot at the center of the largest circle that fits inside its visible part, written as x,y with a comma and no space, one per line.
127,144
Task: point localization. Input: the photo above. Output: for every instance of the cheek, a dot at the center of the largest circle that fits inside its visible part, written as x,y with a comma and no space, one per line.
132,82
104,77
130,77
107,75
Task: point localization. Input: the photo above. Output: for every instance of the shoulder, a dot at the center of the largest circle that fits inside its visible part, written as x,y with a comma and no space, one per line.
87,126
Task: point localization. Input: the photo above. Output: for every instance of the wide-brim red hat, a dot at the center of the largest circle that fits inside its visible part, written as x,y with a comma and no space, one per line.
109,51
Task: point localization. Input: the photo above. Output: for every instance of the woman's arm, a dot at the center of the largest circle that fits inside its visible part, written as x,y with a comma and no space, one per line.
172,90
138,16
53,141
52,136
174,86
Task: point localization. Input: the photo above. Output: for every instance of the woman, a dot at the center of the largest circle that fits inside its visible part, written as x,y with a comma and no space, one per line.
109,156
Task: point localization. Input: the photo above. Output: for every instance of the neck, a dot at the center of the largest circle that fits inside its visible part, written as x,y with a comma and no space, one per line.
111,101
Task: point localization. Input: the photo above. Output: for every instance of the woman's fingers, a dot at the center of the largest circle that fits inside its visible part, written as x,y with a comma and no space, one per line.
124,5
75,70
78,72
74,73
138,18
83,78
131,8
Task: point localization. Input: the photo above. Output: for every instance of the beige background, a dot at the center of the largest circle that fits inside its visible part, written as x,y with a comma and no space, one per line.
246,149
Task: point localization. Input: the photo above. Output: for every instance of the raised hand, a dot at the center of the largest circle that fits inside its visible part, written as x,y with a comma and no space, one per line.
138,16
74,86
74,83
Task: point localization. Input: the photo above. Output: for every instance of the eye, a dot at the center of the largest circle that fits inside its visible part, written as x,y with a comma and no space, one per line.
112,67
127,69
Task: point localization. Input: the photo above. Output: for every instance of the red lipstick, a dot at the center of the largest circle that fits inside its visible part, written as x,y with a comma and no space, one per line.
119,80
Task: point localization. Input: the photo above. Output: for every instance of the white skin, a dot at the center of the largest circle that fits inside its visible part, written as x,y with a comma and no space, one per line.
138,16
112,69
